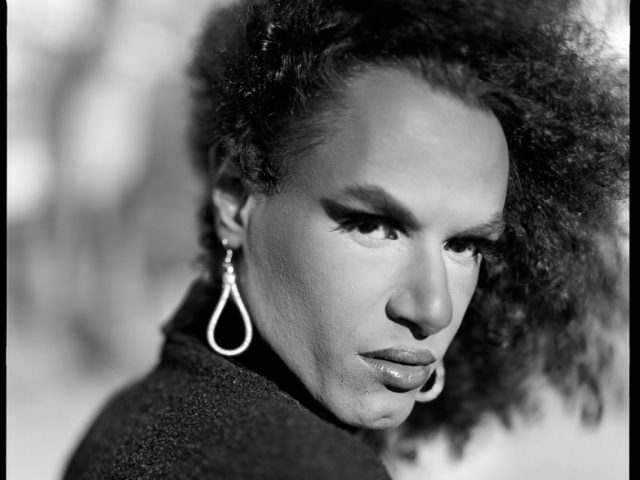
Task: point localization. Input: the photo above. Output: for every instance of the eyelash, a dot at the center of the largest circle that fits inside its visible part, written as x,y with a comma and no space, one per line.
357,221
489,249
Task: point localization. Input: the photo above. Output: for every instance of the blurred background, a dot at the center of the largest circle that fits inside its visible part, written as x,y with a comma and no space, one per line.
102,234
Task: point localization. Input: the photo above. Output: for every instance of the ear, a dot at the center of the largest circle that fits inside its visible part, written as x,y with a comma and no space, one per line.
230,196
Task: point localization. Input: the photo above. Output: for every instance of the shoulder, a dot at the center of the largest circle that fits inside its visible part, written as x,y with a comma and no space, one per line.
281,443
178,423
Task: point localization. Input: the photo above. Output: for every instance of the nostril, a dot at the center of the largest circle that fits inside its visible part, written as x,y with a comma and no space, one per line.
414,327
418,334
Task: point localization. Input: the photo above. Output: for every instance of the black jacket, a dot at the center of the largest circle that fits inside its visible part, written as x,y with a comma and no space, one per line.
198,415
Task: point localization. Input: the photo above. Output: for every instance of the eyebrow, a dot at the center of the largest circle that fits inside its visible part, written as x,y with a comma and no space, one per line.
493,227
385,204
380,201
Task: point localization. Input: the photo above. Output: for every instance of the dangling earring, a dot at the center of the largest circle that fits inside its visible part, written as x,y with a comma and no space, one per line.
436,387
229,287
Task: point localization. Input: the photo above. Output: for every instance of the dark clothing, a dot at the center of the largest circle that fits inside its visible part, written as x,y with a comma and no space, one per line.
198,415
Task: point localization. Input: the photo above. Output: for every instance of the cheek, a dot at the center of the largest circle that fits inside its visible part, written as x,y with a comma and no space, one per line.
465,285
292,276
337,289
270,276
462,285
325,285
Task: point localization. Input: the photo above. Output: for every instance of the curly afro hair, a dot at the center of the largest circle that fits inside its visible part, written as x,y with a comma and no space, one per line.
263,71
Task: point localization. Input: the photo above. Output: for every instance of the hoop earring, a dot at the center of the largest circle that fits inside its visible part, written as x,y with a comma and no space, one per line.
436,388
229,287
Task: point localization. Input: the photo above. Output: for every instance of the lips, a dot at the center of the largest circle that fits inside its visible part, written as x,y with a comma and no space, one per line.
401,369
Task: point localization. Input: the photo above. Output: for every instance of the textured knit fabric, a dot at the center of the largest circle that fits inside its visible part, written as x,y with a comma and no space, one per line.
198,415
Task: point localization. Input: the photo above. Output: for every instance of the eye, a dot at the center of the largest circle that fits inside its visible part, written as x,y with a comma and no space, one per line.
463,247
370,226
475,249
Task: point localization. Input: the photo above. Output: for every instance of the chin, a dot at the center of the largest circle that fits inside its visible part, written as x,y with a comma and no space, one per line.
383,411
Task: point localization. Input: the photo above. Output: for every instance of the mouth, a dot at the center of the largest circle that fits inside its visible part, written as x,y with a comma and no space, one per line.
401,369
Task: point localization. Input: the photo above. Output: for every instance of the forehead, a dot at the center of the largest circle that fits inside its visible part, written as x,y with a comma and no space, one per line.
418,143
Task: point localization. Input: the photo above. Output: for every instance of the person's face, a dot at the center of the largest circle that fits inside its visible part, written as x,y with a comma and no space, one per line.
359,273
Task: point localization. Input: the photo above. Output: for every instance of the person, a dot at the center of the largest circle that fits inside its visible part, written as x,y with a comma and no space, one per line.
383,182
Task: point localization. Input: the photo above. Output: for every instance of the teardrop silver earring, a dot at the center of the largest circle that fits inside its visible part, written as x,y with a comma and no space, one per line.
229,287
436,387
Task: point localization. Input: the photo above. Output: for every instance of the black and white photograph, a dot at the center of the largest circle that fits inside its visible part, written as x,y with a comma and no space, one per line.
318,239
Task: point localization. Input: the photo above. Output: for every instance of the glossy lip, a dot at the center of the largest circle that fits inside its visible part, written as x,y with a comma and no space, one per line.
401,369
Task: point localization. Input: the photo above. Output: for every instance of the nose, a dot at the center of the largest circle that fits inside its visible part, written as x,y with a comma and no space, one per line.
423,299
